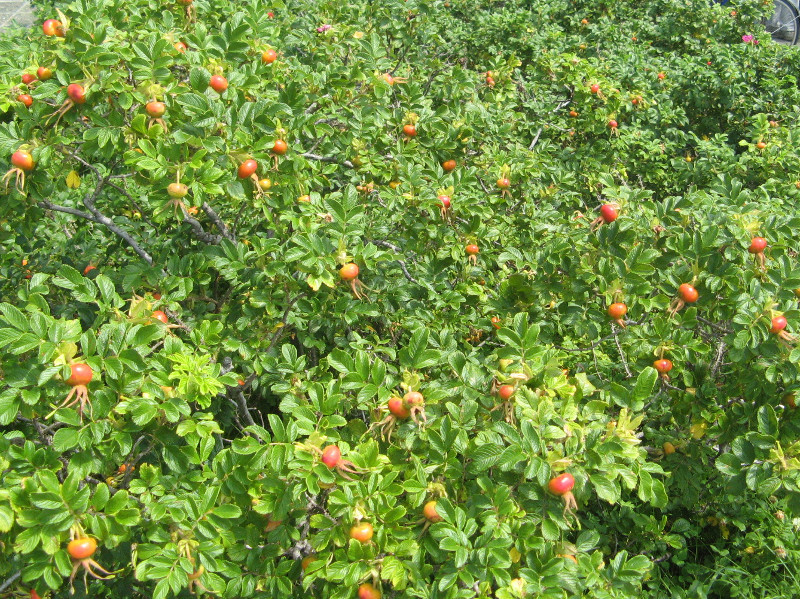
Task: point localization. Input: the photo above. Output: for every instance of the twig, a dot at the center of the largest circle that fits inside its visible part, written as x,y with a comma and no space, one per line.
11,580
535,139
330,159
199,232
599,341
673,387
47,205
132,201
214,217
241,401
130,463
663,558
226,365
561,104
179,323
386,244
402,263
403,50
720,328
302,547
279,333
90,200
430,81
406,273
718,359
585,349
316,144
517,205
621,353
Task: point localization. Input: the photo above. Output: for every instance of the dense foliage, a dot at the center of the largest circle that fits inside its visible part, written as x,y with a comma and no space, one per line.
563,365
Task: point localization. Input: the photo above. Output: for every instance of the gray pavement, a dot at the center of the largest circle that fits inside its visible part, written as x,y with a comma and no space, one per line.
18,11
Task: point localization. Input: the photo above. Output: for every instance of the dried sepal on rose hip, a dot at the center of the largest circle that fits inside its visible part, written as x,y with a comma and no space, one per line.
757,247
391,80
506,393
608,214
415,402
663,366
472,251
444,206
76,94
81,549
21,162
616,311
349,273
397,411
778,326
155,110
687,294
194,577
331,456
562,486
81,375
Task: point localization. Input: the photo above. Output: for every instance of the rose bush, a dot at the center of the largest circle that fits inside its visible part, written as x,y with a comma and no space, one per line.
275,274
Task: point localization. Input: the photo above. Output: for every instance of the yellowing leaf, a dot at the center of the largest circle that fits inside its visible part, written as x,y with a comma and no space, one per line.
313,282
66,351
698,430
73,180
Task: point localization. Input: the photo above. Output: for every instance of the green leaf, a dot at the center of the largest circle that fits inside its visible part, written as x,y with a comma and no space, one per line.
415,355
146,334
728,464
767,421
100,496
659,496
128,517
69,278
47,374
341,361
392,570
65,439
9,406
587,540
550,530
198,79
162,589
9,336
227,511
118,501
6,518
605,488
510,337
645,383
14,317
485,456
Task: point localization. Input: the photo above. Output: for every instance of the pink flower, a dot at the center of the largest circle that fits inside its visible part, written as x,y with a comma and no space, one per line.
324,28
749,39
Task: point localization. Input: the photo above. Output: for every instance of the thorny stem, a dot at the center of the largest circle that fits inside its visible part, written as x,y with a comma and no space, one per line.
621,353
10,580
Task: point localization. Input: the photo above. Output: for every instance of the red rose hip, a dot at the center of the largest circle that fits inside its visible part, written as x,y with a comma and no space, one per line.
757,245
